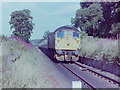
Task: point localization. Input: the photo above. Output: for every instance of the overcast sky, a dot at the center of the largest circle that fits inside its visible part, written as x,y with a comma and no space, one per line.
46,15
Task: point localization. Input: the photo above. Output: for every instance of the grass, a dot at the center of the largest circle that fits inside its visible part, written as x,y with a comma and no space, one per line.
23,66
99,49
15,73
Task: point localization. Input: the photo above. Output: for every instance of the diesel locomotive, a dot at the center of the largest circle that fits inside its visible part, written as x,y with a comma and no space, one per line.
63,44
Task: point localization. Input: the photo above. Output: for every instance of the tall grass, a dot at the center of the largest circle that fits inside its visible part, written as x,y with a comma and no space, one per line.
99,49
18,63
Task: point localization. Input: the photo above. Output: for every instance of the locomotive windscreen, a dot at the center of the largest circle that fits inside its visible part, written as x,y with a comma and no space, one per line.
75,34
68,33
60,34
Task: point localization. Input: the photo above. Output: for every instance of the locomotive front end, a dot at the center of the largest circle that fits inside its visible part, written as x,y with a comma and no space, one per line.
67,44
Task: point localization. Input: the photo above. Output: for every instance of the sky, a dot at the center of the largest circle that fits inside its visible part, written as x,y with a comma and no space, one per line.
46,15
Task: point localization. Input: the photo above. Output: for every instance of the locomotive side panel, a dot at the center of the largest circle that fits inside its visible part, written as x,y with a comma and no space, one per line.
51,41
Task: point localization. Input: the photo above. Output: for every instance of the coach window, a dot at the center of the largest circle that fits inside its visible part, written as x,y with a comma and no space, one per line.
60,34
75,34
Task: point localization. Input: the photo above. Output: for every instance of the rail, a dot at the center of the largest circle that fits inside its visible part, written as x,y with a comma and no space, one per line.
83,80
110,79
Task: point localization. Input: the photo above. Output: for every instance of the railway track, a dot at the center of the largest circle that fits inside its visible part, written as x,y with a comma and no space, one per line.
87,82
80,78
97,74
100,75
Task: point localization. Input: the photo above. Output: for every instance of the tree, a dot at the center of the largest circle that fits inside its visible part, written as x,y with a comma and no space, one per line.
88,19
21,23
115,29
98,18
109,14
45,36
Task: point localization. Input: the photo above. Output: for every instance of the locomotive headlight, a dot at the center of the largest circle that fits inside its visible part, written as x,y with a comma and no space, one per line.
76,52
59,51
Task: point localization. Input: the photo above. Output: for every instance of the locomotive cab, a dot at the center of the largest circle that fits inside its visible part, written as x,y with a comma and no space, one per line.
67,43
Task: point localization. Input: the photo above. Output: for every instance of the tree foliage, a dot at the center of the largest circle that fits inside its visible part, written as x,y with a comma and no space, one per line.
98,18
21,23
89,18
45,36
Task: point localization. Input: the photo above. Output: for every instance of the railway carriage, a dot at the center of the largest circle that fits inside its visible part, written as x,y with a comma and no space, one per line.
64,43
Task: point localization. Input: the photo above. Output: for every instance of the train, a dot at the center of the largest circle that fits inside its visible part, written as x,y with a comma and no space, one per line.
63,44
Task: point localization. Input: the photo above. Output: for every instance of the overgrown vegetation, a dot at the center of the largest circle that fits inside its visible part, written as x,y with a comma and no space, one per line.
23,67
21,23
99,20
100,49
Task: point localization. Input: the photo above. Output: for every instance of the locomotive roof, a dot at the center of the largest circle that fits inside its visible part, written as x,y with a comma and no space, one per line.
67,27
